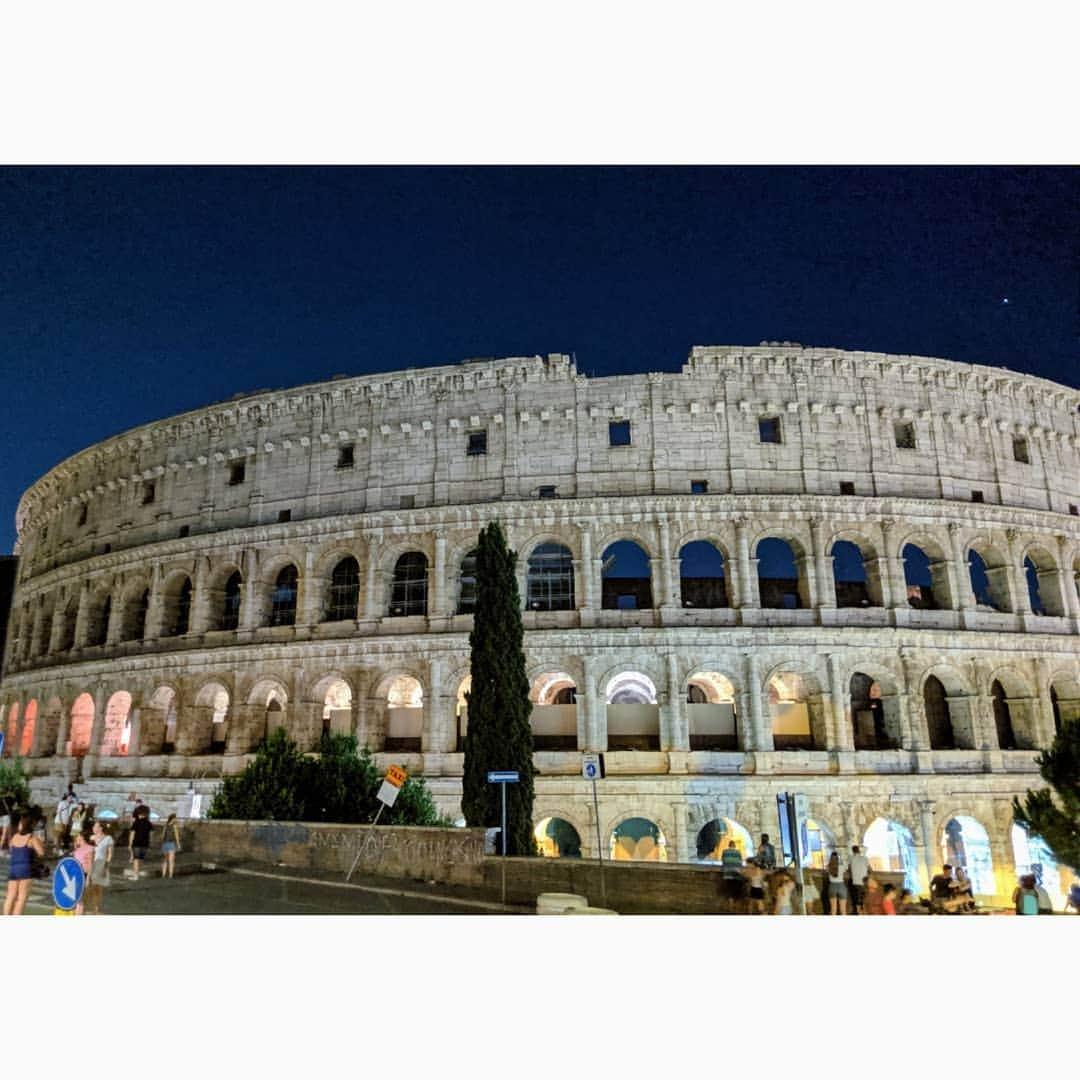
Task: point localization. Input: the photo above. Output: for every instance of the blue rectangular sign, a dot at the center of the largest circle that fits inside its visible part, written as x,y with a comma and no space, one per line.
503,777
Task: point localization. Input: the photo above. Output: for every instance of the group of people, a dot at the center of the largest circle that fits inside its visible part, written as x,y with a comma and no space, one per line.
86,840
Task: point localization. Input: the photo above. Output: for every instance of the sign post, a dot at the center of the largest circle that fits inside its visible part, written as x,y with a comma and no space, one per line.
592,766
502,779
67,886
387,796
1,744
793,810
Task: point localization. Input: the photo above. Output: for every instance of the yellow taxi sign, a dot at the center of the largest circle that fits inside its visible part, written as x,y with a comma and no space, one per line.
395,776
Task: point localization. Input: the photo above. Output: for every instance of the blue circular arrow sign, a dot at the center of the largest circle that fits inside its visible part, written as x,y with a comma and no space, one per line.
67,884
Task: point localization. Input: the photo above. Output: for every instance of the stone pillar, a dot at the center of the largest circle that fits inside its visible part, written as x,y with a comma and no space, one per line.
438,590
63,728
116,616
135,734
82,616
245,723
1018,588
668,594
842,737
200,600
965,599
928,852
152,629
373,594
747,566
56,630
760,726
850,831
151,730
593,726
1042,712
194,726
823,568
306,724
588,573
310,598
674,731
433,735
249,610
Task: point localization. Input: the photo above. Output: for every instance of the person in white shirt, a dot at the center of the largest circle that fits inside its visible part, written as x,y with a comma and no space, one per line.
859,867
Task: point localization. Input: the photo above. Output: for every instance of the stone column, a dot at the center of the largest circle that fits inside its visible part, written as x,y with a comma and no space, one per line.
152,629
668,597
373,598
57,628
200,600
965,600
588,571
592,727
83,615
674,732
1018,587
847,820
135,734
63,728
249,610
747,566
438,590
823,568
309,601
194,726
760,725
434,736
928,850
842,735
116,616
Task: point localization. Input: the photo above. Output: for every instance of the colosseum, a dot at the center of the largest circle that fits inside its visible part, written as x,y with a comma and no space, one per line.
845,574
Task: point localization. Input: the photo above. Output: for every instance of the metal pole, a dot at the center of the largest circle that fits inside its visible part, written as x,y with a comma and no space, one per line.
367,838
599,845
503,786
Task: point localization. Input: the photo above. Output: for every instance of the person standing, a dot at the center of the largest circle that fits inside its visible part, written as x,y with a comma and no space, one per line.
84,856
756,881
858,868
170,845
24,846
837,887
62,821
139,841
766,854
873,897
941,888
99,871
1025,896
888,900
732,868
784,888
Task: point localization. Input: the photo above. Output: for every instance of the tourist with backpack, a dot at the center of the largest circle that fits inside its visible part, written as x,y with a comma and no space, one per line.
1026,897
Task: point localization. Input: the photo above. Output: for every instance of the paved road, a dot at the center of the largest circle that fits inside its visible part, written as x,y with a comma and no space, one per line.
264,891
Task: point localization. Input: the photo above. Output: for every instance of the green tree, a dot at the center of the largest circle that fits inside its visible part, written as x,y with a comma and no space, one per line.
1055,814
14,787
499,735
273,787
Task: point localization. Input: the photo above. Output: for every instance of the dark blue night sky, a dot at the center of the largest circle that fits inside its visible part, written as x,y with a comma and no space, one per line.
130,294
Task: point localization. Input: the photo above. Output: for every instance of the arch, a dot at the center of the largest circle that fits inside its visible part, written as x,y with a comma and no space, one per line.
409,586
229,604
633,717
176,616
133,617
267,702
926,575
889,845
556,838
875,712
1064,699
466,600
988,576
70,619
159,720
855,574
1043,582
1003,724
637,839
711,712
625,578
26,743
82,725
116,732
337,711
212,711
715,835
781,567
549,578
965,844
630,688
702,580
343,595
283,595
461,711
796,710
554,712
1032,855
938,715
405,714
98,614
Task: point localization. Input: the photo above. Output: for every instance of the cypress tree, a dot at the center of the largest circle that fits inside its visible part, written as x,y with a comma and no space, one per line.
1055,814
499,734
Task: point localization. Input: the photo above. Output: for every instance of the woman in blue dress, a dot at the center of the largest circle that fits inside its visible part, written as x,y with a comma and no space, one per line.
24,845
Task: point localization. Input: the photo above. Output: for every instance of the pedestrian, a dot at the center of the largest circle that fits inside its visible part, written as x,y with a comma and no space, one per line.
811,897
24,846
1025,897
139,841
78,821
941,888
783,889
84,856
837,888
766,854
1046,905
858,869
909,905
888,899
731,867
99,871
62,821
873,897
170,845
756,880
1073,899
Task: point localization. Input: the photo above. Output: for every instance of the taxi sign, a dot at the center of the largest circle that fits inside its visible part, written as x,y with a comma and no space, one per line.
395,775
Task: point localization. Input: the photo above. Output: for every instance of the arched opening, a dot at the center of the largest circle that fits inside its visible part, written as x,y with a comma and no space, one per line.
855,575
133,627
159,721
710,712
461,711
556,838
337,709
938,715
274,718
343,597
283,597
230,602
1002,717
549,582
795,709
1032,856
638,840
26,744
926,578
466,604
625,580
714,836
408,593
702,582
875,713
633,717
67,630
1043,583
890,846
177,614
212,712
44,631
116,733
554,711
964,844
82,725
405,715
988,574
780,583
1064,701
97,625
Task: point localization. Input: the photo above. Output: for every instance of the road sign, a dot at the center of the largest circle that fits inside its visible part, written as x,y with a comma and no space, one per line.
68,883
395,776
590,766
388,793
504,777
1,744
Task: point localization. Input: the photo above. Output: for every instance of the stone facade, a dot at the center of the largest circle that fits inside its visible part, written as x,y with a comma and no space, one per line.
296,558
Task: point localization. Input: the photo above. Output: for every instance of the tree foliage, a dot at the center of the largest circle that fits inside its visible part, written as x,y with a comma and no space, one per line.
338,785
1054,813
499,734
14,786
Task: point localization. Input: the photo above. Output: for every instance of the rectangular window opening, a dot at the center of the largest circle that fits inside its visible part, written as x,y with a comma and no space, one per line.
977,496
407,502
345,459
236,473
185,530
284,515
546,491
699,487
83,514
847,487
1074,510
769,429
1020,451
619,433
148,493
477,443
904,434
